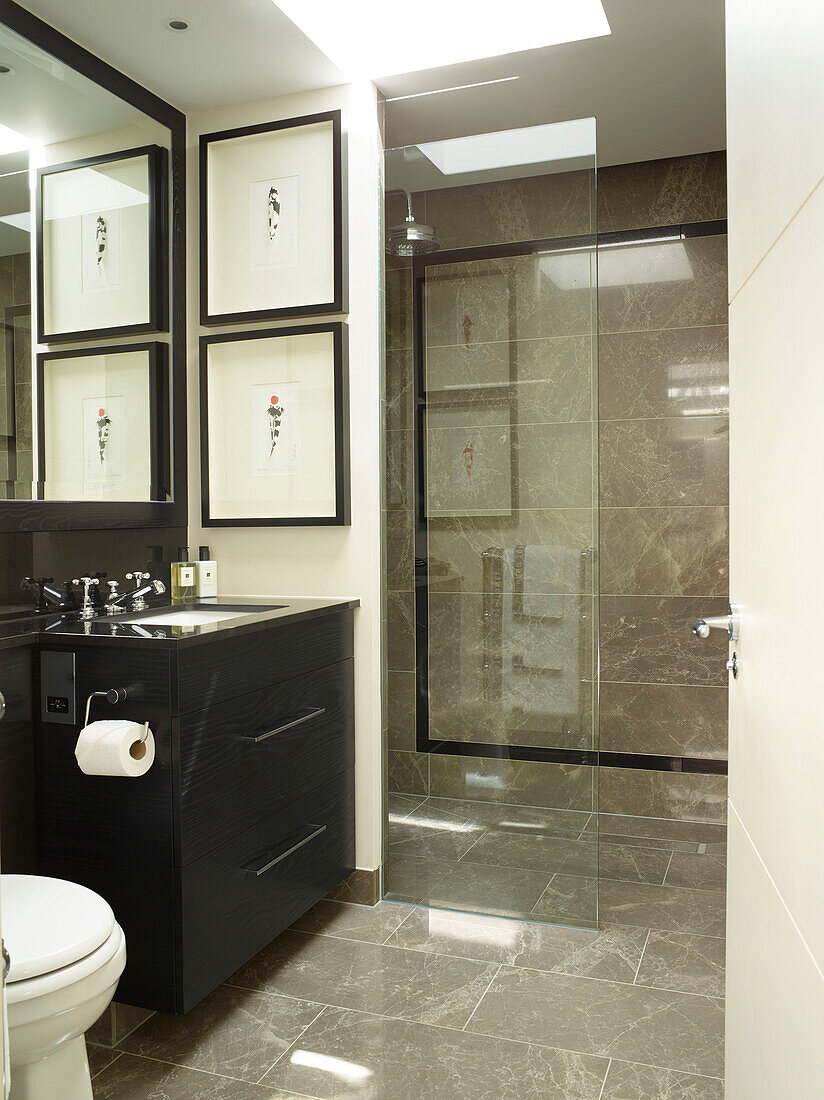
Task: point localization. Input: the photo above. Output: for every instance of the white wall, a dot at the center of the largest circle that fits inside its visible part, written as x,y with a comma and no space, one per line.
315,561
775,981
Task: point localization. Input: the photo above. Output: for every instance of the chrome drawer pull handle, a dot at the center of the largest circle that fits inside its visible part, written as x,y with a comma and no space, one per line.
278,859
314,713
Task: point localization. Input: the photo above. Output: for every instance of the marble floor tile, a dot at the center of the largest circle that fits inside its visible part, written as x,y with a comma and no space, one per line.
699,832
633,1023
631,863
401,805
629,1081
410,985
691,964
411,879
353,922
411,838
233,1032
505,817
498,891
669,908
133,1078
536,853
700,872
612,953
649,842
569,899
347,1055
100,1057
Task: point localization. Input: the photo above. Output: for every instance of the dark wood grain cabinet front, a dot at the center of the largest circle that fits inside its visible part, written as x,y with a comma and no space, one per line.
245,819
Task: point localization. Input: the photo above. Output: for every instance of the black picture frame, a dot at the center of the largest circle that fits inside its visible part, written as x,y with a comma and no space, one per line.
159,478
158,320
38,515
342,516
339,300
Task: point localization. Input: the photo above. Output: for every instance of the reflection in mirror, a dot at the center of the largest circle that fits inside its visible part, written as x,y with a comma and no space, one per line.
87,264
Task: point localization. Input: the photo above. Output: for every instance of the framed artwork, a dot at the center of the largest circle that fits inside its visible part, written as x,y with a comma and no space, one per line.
274,427
104,423
102,242
271,220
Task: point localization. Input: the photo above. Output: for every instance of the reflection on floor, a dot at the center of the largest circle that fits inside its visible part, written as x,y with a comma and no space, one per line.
407,1002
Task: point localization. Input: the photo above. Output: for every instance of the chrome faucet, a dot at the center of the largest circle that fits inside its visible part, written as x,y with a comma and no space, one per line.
49,596
137,595
89,609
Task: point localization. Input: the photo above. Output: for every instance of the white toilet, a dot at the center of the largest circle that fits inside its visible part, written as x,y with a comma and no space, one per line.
67,954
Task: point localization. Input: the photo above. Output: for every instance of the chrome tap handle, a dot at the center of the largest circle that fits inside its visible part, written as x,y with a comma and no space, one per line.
89,583
138,576
701,627
113,606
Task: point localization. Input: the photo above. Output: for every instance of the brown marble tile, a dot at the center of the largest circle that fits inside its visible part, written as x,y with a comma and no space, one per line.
664,372
400,390
664,462
662,192
372,924
400,706
398,470
22,278
647,639
401,631
532,208
665,719
688,963
522,782
6,280
669,908
99,1057
550,379
674,832
460,544
135,1078
538,853
360,887
630,1081
408,772
503,677
698,871
664,551
697,297
398,306
684,795
570,900
631,863
400,551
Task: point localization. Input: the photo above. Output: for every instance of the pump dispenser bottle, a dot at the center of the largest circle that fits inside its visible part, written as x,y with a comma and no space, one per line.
206,574
184,577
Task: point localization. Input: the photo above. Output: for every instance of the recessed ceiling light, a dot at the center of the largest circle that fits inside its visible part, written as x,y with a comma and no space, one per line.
367,38
512,148
6,70
177,25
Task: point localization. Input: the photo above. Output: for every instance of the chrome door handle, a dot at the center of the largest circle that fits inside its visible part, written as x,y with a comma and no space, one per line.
701,627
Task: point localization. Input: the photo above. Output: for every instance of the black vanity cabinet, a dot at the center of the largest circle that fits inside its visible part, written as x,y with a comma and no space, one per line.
244,821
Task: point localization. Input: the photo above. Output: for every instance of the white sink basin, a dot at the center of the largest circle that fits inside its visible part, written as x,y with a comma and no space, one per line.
196,616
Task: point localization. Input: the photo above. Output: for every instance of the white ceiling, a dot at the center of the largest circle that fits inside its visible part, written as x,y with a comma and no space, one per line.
655,85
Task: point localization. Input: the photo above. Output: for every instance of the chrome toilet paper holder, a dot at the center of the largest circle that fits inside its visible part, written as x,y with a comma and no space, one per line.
113,695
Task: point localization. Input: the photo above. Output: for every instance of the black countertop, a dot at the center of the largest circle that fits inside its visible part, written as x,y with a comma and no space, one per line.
70,630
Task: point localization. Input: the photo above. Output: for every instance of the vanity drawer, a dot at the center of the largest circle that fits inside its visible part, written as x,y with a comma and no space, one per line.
229,667
239,898
242,759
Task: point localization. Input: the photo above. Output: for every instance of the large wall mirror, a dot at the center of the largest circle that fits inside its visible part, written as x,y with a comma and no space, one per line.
92,296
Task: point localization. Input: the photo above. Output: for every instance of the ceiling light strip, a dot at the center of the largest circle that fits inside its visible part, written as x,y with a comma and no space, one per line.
457,88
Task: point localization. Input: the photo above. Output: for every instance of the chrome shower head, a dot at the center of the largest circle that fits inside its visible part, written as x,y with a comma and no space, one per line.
412,238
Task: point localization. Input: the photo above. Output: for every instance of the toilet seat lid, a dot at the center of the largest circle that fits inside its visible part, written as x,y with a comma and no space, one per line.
49,923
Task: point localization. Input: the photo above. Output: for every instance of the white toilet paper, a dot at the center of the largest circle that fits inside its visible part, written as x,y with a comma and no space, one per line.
115,747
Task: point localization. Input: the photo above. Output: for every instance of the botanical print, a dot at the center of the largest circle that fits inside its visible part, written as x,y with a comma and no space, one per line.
274,222
103,442
100,250
468,467
276,429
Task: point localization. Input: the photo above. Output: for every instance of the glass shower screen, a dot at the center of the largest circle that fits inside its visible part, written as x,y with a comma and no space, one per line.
496,300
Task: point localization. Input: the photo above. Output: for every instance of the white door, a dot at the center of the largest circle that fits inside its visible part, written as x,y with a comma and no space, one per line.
775,952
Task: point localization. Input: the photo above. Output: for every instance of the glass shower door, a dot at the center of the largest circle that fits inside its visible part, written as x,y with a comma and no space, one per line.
505,526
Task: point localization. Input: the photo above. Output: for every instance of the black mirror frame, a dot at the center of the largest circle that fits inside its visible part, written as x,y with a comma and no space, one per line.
22,515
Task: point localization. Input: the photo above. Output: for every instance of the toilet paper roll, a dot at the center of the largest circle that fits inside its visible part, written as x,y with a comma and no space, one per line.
115,747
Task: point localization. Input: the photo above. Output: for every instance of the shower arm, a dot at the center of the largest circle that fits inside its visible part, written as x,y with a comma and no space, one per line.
402,191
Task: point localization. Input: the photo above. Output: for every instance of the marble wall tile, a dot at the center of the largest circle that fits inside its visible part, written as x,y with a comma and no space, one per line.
629,1081
398,469
664,551
665,719
400,629
609,1019
664,302
400,387
7,280
537,402
21,273
459,545
647,639
400,709
663,372
408,772
398,296
400,550
526,681
541,466
406,1059
522,782
687,795
673,461
528,209
662,192
505,298
677,960
563,363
